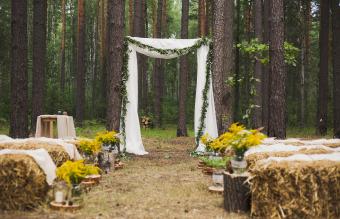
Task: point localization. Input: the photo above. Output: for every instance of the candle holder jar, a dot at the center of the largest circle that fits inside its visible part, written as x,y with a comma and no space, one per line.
60,191
217,178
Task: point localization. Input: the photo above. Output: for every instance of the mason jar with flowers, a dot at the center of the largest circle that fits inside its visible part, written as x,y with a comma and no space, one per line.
109,140
110,147
90,149
72,173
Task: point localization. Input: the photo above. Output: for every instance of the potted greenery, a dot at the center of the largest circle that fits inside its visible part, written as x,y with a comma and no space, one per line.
216,167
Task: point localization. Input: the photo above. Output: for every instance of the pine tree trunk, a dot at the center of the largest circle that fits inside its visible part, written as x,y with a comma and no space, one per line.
257,119
323,72
116,10
277,78
19,77
103,53
145,89
139,31
62,49
157,71
227,99
80,88
183,74
74,53
202,24
305,45
336,66
222,62
131,17
266,71
39,59
237,62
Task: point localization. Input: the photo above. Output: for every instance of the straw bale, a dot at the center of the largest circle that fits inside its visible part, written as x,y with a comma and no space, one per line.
253,158
299,189
23,183
57,153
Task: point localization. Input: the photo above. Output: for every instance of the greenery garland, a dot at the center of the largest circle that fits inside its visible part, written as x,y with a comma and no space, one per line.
179,52
125,77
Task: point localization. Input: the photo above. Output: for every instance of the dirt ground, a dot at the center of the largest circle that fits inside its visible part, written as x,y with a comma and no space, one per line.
164,184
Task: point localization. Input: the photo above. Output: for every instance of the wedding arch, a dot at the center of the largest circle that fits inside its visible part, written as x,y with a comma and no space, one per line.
205,116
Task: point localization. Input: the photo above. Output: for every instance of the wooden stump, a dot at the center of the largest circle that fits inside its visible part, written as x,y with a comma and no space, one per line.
236,192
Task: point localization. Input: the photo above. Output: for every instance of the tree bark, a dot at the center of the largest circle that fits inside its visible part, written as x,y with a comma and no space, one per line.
277,78
202,24
336,66
157,71
19,77
257,119
39,59
323,71
236,193
103,52
222,62
139,31
183,74
266,71
80,88
116,11
62,49
131,17
237,62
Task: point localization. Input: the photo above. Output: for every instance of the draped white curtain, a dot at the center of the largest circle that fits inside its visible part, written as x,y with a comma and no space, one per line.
133,141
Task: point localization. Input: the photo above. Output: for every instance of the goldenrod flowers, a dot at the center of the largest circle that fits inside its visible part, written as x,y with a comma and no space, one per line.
93,146
73,172
237,137
106,137
89,147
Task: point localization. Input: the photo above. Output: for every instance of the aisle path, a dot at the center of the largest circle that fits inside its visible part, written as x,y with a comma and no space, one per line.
164,184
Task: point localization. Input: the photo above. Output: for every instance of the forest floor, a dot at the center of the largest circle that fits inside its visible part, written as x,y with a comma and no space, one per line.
166,183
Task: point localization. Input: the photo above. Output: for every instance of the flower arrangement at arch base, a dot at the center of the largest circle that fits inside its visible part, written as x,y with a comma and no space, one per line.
237,138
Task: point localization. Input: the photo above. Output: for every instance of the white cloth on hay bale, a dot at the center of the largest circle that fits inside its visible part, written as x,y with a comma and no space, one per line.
69,148
286,148
41,157
301,141
304,157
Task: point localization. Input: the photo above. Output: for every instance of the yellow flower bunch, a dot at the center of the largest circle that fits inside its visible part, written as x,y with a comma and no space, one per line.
89,146
237,137
107,137
73,172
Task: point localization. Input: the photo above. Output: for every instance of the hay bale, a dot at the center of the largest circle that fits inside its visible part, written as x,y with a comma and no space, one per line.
253,158
299,189
23,183
57,153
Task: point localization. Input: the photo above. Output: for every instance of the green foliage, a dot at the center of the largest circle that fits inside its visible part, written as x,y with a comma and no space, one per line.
216,163
260,51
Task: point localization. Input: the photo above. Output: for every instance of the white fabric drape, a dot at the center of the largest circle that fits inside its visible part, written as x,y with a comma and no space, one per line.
133,141
41,157
210,119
